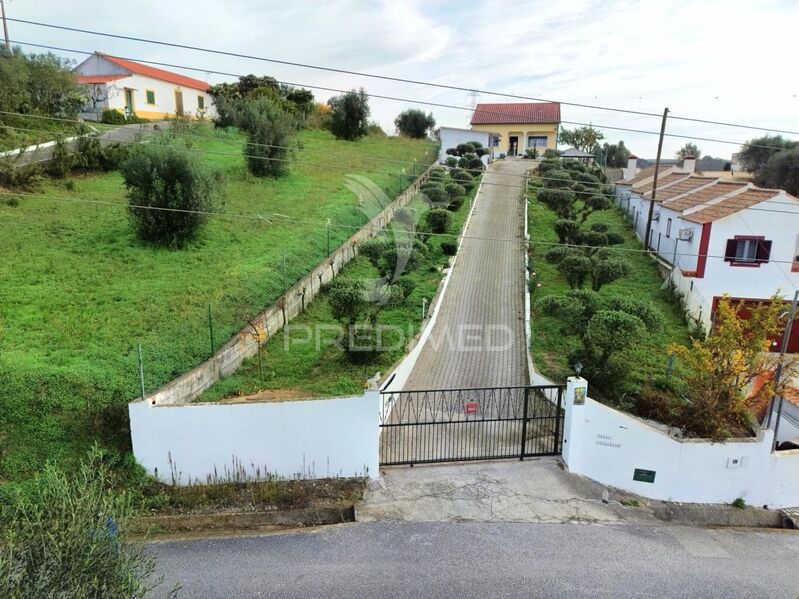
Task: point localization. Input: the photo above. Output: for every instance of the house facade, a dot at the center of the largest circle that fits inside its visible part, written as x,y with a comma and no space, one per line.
519,126
717,237
134,88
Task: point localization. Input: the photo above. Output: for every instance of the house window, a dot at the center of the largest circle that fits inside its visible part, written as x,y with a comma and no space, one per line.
747,251
200,102
668,228
536,141
150,94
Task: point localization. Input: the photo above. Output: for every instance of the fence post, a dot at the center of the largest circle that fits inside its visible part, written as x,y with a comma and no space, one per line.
573,441
211,329
557,447
141,374
524,423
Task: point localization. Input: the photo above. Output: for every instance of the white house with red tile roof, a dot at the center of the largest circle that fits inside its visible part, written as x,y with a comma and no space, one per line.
718,237
519,125
134,88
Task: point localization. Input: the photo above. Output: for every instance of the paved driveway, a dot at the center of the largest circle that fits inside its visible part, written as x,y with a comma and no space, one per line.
479,339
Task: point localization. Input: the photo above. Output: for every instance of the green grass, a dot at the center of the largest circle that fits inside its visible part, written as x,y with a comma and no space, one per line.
321,369
79,291
551,345
22,131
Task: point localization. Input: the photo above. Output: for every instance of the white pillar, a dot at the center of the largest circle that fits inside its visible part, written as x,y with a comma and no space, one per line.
574,442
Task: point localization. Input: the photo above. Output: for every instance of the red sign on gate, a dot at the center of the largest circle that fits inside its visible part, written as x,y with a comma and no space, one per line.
471,407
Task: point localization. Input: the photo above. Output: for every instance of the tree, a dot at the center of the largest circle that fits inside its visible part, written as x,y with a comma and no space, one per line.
269,132
168,189
65,536
781,172
755,153
414,123
349,304
350,117
560,201
688,150
723,367
614,155
582,138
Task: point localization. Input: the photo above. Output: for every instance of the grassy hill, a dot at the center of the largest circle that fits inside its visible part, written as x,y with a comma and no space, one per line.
79,292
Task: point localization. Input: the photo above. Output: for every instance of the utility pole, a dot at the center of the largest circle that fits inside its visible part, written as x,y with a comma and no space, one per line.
5,24
655,181
778,373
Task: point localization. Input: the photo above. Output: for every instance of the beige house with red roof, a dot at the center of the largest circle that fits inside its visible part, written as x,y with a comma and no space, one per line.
134,88
519,126
718,237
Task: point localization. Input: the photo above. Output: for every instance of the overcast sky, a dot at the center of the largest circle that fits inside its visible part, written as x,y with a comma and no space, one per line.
727,60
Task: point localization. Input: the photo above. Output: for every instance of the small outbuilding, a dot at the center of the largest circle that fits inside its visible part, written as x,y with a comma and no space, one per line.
576,154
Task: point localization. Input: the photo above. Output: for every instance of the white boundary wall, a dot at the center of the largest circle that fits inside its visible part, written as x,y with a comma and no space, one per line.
607,446
290,439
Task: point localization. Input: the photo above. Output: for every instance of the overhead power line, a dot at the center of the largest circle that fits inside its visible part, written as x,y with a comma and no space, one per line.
387,77
267,217
413,101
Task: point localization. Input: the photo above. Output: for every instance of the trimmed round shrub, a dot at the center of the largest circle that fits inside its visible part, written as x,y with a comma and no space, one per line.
594,238
454,190
406,216
558,179
598,202
545,166
451,162
551,154
373,248
575,269
586,179
438,220
559,201
436,193
567,230
557,253
471,161
612,331
112,117
599,227
608,270
415,244
651,317
572,165
408,285
455,204
449,248
437,173
398,260
615,238
466,148
463,178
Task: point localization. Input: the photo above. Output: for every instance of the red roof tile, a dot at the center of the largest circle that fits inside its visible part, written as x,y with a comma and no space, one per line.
98,78
518,113
736,203
161,74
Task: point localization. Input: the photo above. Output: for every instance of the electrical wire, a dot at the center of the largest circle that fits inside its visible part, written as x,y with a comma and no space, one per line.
423,102
383,77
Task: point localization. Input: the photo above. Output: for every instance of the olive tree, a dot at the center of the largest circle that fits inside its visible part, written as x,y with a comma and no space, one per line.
350,117
414,123
269,131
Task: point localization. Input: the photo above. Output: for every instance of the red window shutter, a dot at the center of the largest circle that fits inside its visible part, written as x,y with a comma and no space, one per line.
729,253
763,250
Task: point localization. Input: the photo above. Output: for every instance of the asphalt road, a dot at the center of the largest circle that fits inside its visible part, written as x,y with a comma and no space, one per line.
393,559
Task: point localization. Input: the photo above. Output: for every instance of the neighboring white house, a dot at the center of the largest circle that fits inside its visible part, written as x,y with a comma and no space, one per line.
718,236
134,88
452,136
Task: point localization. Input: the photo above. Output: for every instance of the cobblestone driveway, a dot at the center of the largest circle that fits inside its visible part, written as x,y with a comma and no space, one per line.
478,339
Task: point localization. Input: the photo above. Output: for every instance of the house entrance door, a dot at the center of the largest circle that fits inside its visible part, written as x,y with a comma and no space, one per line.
178,102
513,145
128,102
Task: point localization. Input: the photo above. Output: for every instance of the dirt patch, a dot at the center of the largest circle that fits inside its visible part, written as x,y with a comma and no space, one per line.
268,395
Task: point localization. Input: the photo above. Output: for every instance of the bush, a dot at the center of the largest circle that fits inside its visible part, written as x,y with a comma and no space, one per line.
470,162
531,153
451,162
269,131
557,253
608,270
61,161
408,284
114,154
615,238
88,154
454,190
611,331
560,201
350,117
61,537
414,123
575,268
650,316
558,179
14,175
438,220
373,248
573,166
551,154
455,204
436,193
599,227
167,181
463,178
406,217
465,148
449,248
112,117
545,166
397,260
438,174
568,230
586,179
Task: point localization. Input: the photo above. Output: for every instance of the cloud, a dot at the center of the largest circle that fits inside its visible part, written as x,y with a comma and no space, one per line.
722,60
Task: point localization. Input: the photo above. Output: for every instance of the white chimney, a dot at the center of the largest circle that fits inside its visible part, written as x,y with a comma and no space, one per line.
632,167
689,164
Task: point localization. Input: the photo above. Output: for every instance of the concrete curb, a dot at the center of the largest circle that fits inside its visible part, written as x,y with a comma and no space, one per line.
718,515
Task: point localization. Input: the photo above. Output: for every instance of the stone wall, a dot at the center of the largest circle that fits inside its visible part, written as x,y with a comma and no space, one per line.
244,344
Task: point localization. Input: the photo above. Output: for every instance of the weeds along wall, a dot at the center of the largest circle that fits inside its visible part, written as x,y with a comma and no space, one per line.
245,343
252,441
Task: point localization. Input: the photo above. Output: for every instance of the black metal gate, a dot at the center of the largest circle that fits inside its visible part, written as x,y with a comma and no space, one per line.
450,425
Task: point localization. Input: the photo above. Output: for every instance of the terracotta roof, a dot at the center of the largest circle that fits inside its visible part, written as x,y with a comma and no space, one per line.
646,188
518,113
702,196
728,206
98,78
685,186
154,73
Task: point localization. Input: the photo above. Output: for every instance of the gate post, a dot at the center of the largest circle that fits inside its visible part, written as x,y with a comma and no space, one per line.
573,438
524,423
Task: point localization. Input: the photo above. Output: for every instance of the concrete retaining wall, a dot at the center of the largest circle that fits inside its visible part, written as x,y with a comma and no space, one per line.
290,439
244,345
609,446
